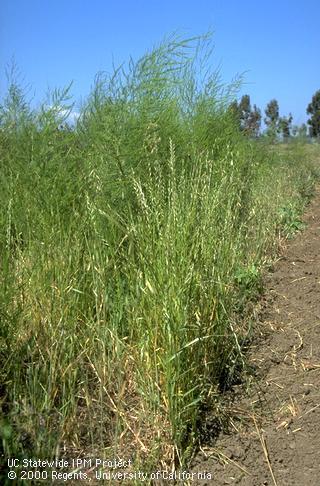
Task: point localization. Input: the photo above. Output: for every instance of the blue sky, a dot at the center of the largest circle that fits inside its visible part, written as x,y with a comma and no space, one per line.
275,42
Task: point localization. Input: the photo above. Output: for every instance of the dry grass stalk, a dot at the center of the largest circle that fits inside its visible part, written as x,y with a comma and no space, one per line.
265,451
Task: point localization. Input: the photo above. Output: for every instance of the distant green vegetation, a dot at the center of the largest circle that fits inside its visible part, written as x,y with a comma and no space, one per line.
278,128
130,245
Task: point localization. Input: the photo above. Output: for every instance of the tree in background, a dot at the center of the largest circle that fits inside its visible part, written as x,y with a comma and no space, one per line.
254,121
314,120
249,118
272,119
300,131
303,131
284,126
244,111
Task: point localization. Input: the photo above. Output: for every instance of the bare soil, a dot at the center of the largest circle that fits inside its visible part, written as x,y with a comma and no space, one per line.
274,438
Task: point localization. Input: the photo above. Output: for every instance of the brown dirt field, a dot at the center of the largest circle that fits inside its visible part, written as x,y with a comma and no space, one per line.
274,438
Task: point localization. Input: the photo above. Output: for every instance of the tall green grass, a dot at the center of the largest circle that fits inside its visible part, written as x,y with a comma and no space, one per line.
130,245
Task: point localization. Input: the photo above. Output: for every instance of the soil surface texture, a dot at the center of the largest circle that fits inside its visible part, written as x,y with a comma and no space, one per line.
274,438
